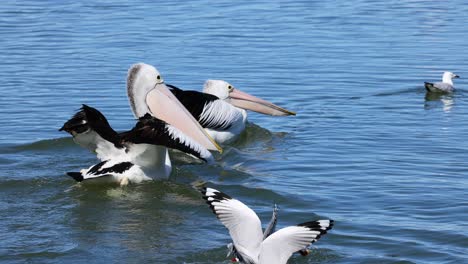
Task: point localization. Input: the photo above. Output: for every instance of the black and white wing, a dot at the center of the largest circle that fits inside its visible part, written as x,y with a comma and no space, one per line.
280,246
106,171
151,130
90,129
210,111
243,224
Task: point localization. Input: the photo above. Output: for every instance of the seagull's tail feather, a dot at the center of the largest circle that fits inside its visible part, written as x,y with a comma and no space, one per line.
77,176
429,86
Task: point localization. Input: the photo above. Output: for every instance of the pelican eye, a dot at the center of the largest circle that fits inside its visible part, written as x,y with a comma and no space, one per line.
230,88
159,77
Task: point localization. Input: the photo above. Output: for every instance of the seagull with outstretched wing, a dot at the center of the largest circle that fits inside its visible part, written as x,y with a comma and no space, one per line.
246,232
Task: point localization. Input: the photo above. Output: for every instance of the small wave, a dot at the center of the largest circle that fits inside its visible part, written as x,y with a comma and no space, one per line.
401,91
46,144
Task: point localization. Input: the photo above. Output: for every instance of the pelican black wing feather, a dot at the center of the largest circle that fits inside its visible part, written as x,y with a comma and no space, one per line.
89,118
151,130
195,103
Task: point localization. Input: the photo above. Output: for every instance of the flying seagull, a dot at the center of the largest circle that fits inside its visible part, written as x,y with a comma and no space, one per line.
246,232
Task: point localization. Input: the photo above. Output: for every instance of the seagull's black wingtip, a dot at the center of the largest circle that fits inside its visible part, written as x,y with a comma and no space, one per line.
428,86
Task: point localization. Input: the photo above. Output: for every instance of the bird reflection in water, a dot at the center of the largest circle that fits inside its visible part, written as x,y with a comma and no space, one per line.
436,100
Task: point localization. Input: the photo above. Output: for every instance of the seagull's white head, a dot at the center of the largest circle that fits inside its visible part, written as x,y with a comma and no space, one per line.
448,76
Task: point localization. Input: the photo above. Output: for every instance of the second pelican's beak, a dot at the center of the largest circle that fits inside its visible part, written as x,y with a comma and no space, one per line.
165,106
250,102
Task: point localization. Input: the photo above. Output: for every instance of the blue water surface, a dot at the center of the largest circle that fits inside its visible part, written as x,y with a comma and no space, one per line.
368,147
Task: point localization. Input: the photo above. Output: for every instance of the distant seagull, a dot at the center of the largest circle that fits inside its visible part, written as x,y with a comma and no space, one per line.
251,245
445,86
221,108
129,157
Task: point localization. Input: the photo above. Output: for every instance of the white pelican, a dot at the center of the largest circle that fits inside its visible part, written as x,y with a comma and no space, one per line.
220,108
445,86
132,156
151,100
252,246
147,93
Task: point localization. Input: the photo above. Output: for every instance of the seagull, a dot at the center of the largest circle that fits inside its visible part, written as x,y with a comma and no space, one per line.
445,86
270,229
221,108
251,245
133,156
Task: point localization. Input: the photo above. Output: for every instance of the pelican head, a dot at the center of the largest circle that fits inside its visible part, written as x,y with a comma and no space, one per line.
225,91
147,93
141,79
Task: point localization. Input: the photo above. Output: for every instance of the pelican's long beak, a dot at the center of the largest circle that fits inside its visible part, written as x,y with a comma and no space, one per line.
250,102
165,106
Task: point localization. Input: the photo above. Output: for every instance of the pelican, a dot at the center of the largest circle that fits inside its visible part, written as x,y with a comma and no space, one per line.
147,93
445,86
221,108
141,153
252,246
129,157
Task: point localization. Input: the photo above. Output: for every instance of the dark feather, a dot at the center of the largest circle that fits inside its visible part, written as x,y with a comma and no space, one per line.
428,86
117,168
151,130
315,226
195,102
95,169
217,197
76,124
89,118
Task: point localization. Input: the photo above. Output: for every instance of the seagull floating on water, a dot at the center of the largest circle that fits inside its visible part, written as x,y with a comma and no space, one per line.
221,108
141,153
251,245
445,86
